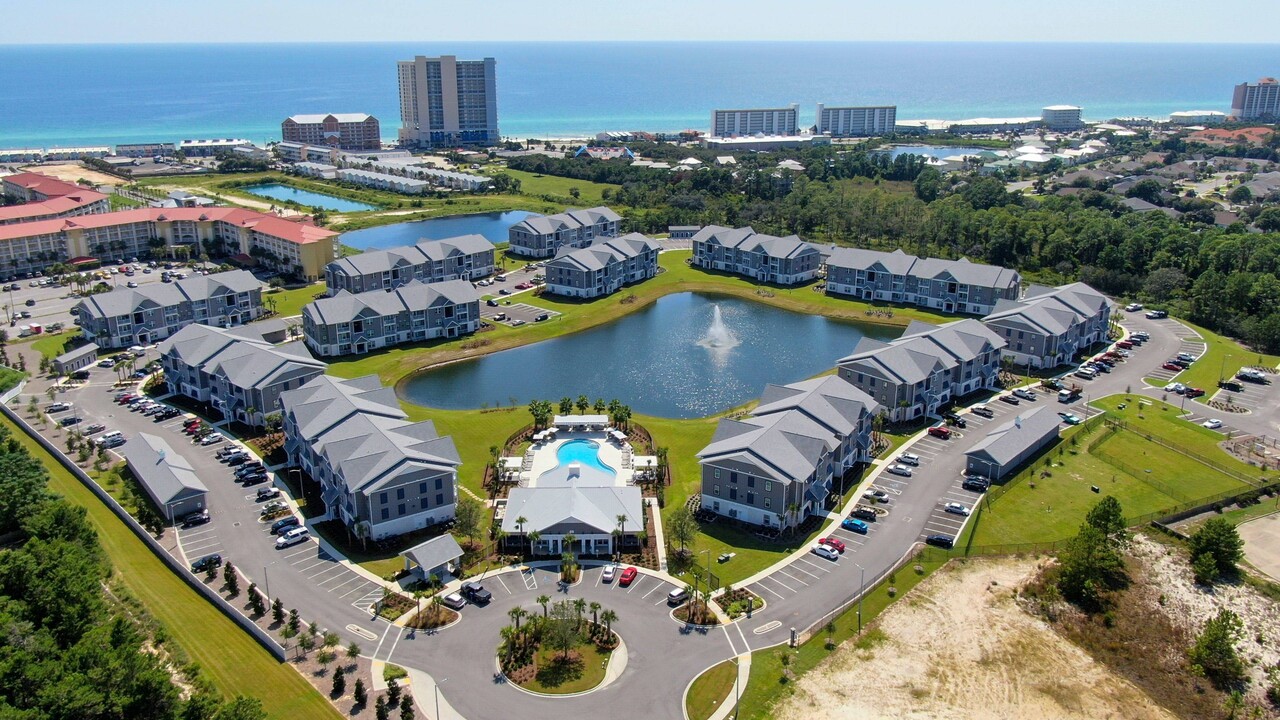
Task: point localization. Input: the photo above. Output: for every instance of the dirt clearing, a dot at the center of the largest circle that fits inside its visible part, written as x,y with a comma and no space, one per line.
71,172
1262,544
959,646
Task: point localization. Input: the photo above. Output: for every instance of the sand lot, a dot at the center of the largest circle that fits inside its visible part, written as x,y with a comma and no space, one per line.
959,647
1262,544
72,172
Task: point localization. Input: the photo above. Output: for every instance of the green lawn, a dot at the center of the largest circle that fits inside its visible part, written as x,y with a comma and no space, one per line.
710,690
234,662
551,679
473,432
9,377
52,345
589,193
290,302
1180,476
768,684
1222,359
120,202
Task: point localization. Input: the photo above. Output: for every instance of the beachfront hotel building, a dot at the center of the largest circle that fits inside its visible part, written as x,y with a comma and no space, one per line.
40,197
466,257
742,251
354,324
294,152
150,313
856,121
762,121
446,102
345,131
211,147
543,236
289,246
916,374
1256,101
145,150
947,285
1048,326
235,370
378,473
602,267
1062,118
779,465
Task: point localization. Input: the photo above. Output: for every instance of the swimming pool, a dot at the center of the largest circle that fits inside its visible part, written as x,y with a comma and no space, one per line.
584,452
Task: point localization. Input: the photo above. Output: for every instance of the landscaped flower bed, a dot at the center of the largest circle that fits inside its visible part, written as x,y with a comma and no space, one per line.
734,601
561,651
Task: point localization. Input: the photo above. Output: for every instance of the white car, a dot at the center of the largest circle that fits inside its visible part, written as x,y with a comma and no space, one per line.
1133,307
607,575
292,537
909,459
902,470
956,508
823,551
212,439
1212,424
1175,387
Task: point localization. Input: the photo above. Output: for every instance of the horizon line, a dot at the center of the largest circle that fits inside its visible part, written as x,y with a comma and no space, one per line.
161,43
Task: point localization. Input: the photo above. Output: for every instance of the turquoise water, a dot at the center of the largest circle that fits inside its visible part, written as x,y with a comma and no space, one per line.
276,191
584,452
168,92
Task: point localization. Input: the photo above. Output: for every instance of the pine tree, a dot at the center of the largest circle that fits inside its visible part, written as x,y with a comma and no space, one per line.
358,694
380,709
339,683
406,707
277,611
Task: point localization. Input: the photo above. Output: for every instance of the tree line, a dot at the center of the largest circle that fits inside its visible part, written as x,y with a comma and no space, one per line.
71,648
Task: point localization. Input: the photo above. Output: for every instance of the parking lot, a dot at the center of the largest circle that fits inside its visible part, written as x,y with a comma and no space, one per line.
1252,395
1187,343
516,311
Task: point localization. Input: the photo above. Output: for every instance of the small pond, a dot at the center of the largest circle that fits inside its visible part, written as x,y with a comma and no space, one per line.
277,191
670,359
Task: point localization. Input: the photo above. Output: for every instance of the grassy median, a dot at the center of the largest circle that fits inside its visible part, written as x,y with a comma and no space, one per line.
233,661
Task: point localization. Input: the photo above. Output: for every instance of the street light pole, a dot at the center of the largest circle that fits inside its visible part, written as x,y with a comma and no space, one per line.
862,590
436,687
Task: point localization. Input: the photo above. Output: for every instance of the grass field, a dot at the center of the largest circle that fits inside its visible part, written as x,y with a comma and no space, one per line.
51,346
589,193
290,302
1223,357
229,657
711,690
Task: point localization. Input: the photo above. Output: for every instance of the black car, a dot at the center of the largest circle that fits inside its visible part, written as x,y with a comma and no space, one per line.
249,468
975,484
864,513
31,302
252,480
491,302
954,418
234,460
69,420
542,317
476,593
1009,399
207,562
198,517
284,524
942,541
1231,385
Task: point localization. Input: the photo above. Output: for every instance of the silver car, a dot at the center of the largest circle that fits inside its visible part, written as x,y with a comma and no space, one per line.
902,470
823,551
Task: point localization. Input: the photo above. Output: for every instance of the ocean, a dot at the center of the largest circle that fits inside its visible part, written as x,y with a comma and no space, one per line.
108,94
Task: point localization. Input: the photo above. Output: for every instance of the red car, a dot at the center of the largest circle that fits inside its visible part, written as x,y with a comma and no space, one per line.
627,576
940,432
1171,367
1193,392
834,543
524,286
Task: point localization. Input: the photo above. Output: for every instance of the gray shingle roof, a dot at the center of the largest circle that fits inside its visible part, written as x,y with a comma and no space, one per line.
1053,310
924,349
411,297
164,474
246,363
435,552
591,509
548,224
1006,442
123,301
748,240
359,428
900,263
603,251
377,261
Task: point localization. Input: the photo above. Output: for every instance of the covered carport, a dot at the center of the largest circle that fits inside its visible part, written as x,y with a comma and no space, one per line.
438,556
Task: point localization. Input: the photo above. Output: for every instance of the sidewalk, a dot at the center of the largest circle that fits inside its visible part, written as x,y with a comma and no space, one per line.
744,673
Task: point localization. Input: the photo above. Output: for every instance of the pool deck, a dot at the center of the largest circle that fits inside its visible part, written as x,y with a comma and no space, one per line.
541,459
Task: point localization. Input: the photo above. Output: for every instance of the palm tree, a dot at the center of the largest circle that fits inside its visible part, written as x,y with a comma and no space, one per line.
544,600
793,510
622,522
595,613
508,635
567,542
515,614
534,537
608,617
579,607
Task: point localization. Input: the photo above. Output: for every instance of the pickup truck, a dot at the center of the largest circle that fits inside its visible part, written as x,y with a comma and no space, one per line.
1069,394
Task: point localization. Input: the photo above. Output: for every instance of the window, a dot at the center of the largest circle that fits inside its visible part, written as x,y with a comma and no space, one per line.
382,498
715,489
733,477
399,493
768,486
767,503
400,509
751,498
439,498
439,483
733,493
751,482
386,514
422,488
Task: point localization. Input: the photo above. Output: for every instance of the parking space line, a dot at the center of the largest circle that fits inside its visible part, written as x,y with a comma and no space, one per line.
357,589
793,577
345,581
504,585
785,586
336,566
771,591
812,565
635,584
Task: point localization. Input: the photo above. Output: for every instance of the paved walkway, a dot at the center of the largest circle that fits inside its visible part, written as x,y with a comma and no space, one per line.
744,673
657,533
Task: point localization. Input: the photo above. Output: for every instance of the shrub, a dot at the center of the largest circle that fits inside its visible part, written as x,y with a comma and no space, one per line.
1214,652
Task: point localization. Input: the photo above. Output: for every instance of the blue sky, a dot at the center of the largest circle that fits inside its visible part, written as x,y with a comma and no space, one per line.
130,21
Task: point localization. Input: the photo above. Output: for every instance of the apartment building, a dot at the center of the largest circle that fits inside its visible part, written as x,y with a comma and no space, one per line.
1256,101
779,465
316,170
145,150
543,236
602,267
1048,326
761,121
354,324
383,181
466,257
346,131
930,365
946,285
40,197
378,473
856,121
153,312
446,102
212,147
743,251
294,152
235,370
405,167
1062,118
